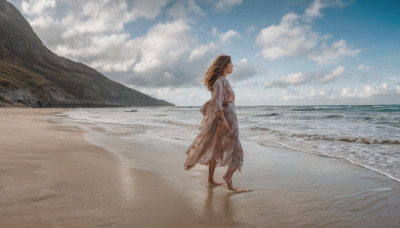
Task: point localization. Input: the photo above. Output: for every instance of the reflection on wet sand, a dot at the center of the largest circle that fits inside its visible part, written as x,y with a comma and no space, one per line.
211,211
127,182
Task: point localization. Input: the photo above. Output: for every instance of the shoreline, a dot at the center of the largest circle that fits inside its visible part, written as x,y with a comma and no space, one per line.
347,160
82,174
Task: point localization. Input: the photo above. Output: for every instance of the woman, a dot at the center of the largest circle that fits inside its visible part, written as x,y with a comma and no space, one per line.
218,142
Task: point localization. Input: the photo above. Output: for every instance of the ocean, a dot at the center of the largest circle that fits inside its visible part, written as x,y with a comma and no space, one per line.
367,136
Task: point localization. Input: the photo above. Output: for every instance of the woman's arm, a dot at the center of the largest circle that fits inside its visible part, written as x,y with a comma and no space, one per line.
217,95
221,115
218,87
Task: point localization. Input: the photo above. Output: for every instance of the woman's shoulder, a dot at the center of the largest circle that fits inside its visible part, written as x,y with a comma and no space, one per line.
220,82
221,79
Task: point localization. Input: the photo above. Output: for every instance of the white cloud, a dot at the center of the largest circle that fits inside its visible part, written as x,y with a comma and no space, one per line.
348,92
201,51
289,38
94,17
43,21
294,37
314,10
317,94
294,79
148,9
243,70
226,5
164,44
32,7
97,45
366,94
181,9
330,54
362,67
250,29
369,91
40,10
224,37
97,18
334,74
288,95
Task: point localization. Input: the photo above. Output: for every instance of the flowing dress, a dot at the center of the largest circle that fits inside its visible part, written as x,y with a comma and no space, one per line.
213,140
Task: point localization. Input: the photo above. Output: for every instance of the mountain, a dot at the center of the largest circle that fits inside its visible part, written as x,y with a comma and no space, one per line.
33,76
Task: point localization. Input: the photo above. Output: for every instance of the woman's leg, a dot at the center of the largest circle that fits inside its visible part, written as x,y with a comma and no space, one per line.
228,178
211,168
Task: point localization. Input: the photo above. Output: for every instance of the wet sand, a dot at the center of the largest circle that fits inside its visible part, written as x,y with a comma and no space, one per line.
50,176
291,189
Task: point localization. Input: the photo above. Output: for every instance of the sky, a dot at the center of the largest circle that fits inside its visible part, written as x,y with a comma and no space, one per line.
284,52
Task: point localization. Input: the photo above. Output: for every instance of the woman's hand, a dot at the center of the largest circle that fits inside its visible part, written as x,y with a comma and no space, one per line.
225,125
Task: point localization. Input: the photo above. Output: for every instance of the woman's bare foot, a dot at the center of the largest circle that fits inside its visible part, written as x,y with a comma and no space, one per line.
239,190
230,186
229,183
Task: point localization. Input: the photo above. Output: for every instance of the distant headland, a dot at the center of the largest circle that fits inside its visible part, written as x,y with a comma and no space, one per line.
33,76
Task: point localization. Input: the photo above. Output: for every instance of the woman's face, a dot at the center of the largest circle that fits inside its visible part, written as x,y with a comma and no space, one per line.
229,68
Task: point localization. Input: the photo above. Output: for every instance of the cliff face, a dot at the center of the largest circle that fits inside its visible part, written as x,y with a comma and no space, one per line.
31,75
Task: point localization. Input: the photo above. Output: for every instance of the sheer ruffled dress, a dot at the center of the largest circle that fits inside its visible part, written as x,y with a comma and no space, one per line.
213,140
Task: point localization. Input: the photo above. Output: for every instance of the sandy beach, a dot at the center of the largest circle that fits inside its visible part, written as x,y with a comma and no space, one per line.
57,173
51,177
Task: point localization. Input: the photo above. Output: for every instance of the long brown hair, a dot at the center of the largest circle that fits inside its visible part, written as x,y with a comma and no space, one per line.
216,69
